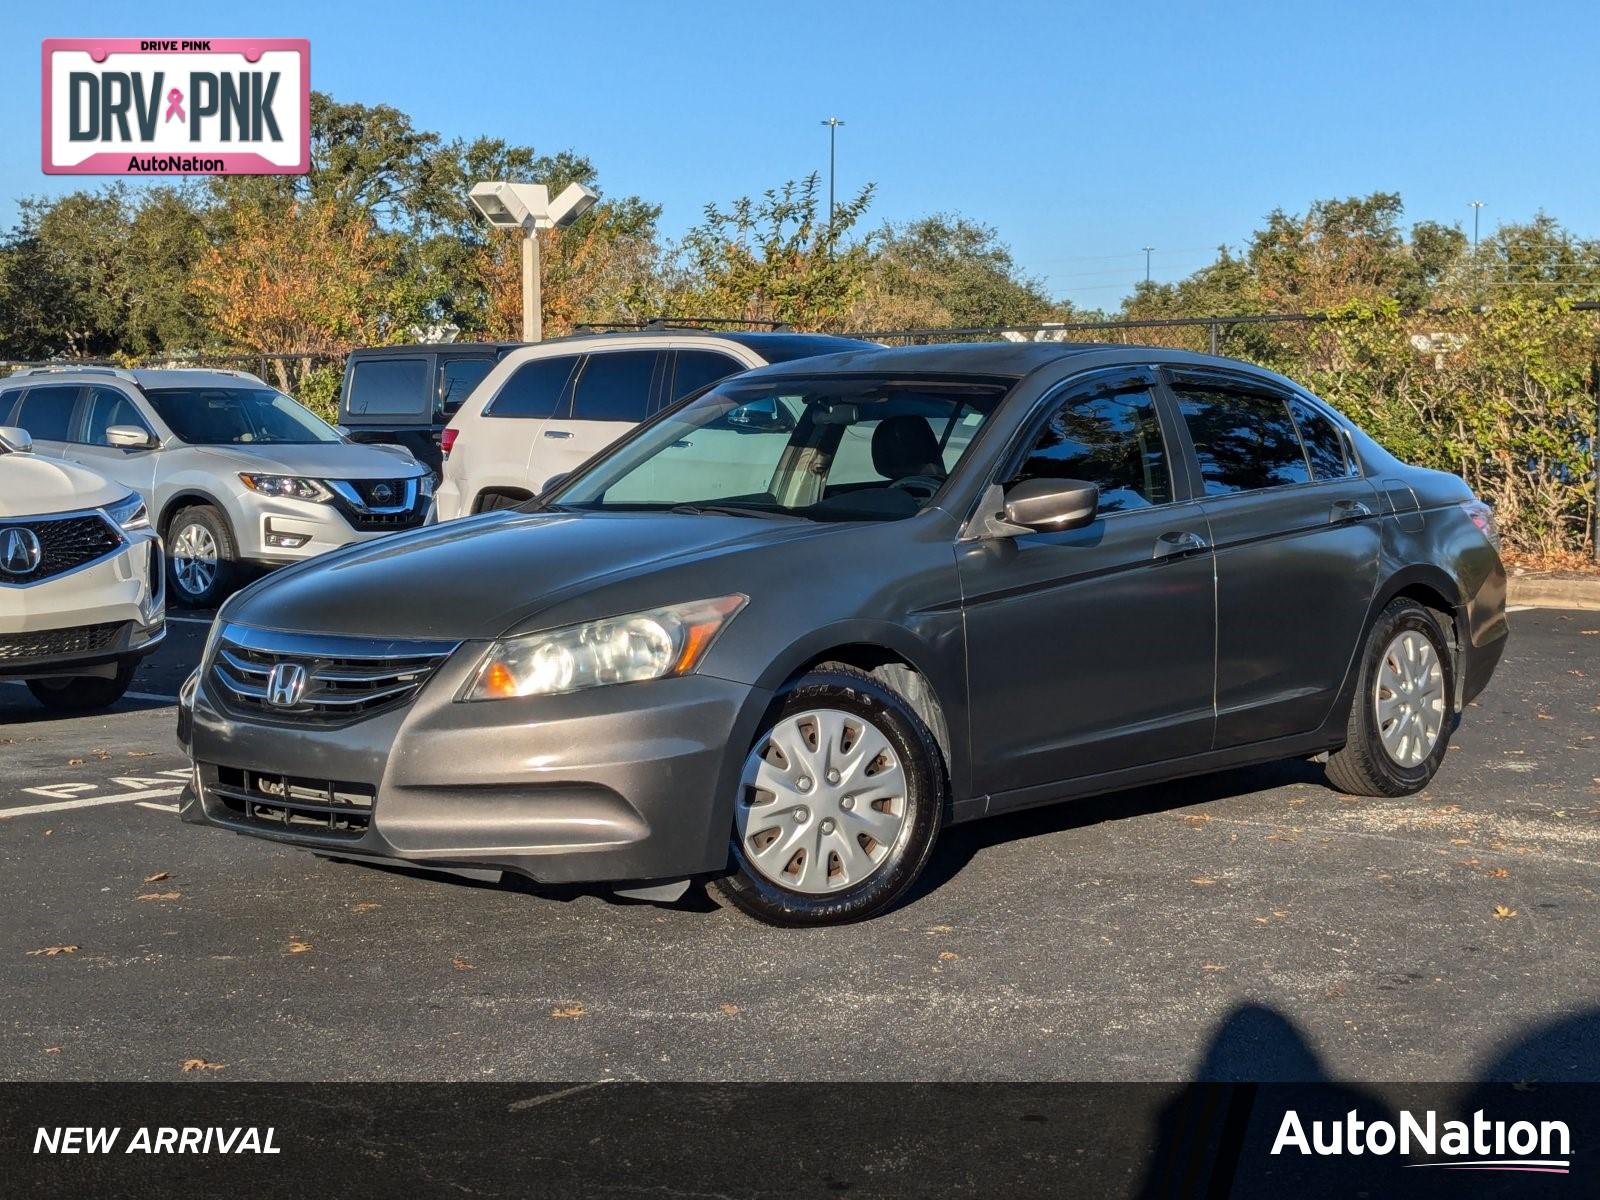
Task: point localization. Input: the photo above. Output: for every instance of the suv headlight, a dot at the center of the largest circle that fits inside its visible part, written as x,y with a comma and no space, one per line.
654,644
129,512
290,487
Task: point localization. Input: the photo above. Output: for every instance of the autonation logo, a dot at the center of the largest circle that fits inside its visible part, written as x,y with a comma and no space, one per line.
1476,1145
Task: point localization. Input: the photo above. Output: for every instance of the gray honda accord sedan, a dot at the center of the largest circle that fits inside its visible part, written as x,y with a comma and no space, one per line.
784,633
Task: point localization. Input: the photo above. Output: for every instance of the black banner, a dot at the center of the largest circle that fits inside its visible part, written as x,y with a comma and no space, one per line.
802,1140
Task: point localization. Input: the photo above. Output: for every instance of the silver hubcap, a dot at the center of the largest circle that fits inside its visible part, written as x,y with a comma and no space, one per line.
194,559
823,802
1408,696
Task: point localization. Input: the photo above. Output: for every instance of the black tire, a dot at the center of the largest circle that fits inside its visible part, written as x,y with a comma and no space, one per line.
1362,766
495,501
226,577
853,692
83,693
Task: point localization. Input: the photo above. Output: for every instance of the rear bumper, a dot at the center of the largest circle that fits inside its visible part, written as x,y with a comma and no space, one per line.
627,783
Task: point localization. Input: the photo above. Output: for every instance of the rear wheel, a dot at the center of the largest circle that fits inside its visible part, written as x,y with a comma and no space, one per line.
1403,714
202,558
83,693
840,804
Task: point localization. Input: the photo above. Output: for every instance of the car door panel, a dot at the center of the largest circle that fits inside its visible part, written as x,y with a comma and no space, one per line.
101,408
613,392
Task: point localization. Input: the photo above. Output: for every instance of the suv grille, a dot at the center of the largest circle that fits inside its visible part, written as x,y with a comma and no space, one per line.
314,807
65,543
339,679
60,643
363,503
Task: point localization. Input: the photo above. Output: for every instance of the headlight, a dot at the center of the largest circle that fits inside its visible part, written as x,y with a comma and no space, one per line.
289,487
129,512
645,645
425,486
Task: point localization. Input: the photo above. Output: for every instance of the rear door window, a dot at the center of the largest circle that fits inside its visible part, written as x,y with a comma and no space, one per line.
1245,440
698,368
1108,438
615,386
457,378
534,389
46,412
1323,442
389,387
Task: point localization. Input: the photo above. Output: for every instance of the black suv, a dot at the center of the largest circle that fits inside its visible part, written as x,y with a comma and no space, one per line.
403,395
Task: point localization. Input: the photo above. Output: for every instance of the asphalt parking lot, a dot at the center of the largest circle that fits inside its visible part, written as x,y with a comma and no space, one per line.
1248,925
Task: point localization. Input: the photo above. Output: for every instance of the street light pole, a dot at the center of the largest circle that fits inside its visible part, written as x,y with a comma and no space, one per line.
833,124
1477,205
532,310
1147,250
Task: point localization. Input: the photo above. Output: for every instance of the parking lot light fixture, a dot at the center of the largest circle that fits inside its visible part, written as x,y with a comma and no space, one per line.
528,208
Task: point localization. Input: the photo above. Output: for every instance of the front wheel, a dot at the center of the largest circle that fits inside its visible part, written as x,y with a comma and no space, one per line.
83,693
201,556
1404,708
840,803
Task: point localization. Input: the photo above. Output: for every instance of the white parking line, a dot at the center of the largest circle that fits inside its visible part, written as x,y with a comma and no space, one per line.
87,802
154,807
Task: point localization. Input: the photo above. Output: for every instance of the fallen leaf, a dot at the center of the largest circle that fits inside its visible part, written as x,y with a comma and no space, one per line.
462,964
141,753
1197,818
74,762
1544,716
1499,873
939,929
1589,632
1261,920
1212,967
1202,881
158,896
948,956
200,1064
157,877
52,951
101,755
1501,912
299,947
365,906
52,1049
1461,841
731,1009
568,1010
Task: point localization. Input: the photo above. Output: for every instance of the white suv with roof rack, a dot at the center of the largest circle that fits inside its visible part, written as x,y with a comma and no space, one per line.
232,471
546,408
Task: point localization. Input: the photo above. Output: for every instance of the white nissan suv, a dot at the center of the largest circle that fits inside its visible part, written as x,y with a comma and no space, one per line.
81,592
548,407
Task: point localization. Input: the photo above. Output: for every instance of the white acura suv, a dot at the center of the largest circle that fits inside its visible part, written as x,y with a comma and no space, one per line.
81,592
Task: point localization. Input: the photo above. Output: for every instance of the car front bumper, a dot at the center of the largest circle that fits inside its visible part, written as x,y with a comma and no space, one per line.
86,620
630,783
277,530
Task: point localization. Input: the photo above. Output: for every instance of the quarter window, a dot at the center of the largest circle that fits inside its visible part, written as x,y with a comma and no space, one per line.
615,387
1112,439
534,389
1245,440
1324,445
108,407
457,378
46,412
389,387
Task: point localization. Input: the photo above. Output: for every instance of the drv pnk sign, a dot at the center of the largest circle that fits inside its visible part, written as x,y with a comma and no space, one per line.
168,106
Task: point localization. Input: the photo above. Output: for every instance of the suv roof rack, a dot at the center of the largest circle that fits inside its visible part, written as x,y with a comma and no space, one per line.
66,368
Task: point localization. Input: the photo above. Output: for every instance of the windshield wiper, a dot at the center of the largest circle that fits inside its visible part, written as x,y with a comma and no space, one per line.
729,510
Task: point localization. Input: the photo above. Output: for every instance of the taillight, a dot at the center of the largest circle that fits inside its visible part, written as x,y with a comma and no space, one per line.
447,439
1481,515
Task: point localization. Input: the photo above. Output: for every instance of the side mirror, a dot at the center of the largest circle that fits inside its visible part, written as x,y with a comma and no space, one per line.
15,440
130,437
554,482
1051,505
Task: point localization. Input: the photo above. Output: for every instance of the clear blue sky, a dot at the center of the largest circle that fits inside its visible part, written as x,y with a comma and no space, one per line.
1082,131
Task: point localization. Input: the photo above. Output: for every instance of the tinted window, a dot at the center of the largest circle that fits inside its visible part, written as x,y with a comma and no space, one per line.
533,390
1324,446
108,407
615,387
697,368
457,378
1112,439
1245,440
237,416
47,412
389,387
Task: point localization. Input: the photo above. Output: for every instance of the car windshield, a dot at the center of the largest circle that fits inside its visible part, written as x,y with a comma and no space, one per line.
234,416
826,449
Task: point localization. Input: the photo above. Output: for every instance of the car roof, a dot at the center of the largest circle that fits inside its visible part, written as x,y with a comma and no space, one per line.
172,377
154,377
773,346
410,348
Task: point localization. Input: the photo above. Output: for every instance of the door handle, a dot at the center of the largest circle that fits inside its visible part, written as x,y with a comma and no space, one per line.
1178,543
556,433
682,445
1348,510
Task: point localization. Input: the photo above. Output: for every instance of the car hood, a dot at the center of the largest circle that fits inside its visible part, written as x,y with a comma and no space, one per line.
480,576
31,486
331,460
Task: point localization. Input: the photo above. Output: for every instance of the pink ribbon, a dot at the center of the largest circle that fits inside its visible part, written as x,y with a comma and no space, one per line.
175,105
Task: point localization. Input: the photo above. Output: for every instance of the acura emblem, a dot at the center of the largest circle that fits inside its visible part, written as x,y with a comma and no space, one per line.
286,685
19,551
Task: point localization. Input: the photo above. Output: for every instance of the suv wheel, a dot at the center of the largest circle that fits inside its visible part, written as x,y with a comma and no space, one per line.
839,806
1403,714
81,693
200,556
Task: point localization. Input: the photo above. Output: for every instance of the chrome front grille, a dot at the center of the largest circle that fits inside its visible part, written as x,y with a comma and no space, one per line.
316,679
59,544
